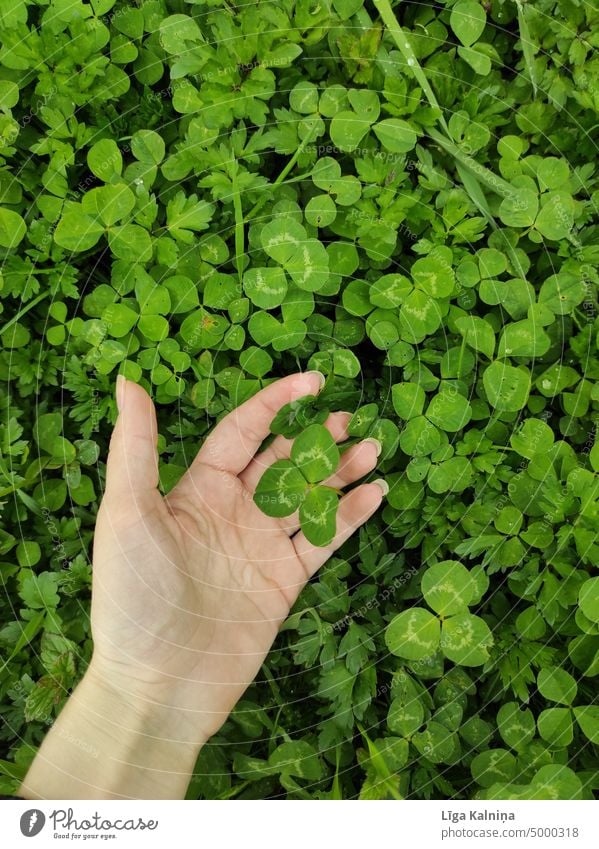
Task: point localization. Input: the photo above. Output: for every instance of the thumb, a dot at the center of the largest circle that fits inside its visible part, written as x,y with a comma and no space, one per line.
132,465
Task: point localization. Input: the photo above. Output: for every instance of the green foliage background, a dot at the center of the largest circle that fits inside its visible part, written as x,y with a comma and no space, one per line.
206,196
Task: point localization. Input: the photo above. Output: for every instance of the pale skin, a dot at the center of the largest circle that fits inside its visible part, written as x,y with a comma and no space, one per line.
189,592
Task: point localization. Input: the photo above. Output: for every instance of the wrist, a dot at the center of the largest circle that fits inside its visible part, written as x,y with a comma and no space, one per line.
109,742
180,707
135,710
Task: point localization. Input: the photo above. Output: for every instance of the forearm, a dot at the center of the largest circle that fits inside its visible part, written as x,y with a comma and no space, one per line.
105,746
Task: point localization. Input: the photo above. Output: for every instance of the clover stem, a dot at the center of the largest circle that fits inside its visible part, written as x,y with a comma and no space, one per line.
239,226
461,357
234,791
22,312
260,203
278,698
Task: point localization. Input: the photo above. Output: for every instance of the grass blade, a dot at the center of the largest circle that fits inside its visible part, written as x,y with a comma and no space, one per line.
401,39
485,175
529,49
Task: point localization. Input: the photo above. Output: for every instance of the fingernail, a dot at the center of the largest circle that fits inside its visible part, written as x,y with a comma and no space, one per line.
120,391
377,445
383,485
321,378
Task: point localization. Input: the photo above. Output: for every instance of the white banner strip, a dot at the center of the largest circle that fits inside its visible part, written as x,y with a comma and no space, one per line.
276,824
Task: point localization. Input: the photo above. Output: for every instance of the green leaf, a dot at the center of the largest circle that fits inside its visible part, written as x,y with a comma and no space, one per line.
148,146
348,129
9,94
346,8
308,266
297,758
345,363
408,400
178,33
433,276
318,514
265,287
492,766
187,215
562,292
552,173
435,743
119,319
449,411
395,135
281,489
321,211
419,316
389,291
516,725
468,20
447,587
12,228
556,218
77,231
555,726
452,475
303,97
315,453
383,334
405,719
533,436
39,591
523,339
555,781
105,160
478,61
588,720
530,50
154,327
557,685
362,420
588,599
507,387
296,416
466,640
520,208
413,634
508,520
419,437
478,333
109,203
131,243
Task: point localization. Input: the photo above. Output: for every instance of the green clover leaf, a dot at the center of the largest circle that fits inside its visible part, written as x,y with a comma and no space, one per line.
315,453
318,513
281,489
447,587
466,639
507,387
449,411
413,634
557,685
468,20
588,599
555,726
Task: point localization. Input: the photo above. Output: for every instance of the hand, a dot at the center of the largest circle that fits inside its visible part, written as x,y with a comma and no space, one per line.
189,590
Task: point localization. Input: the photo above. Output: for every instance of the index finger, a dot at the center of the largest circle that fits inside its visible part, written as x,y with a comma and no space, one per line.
234,441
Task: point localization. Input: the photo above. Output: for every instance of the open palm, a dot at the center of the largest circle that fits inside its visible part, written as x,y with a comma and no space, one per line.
190,589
